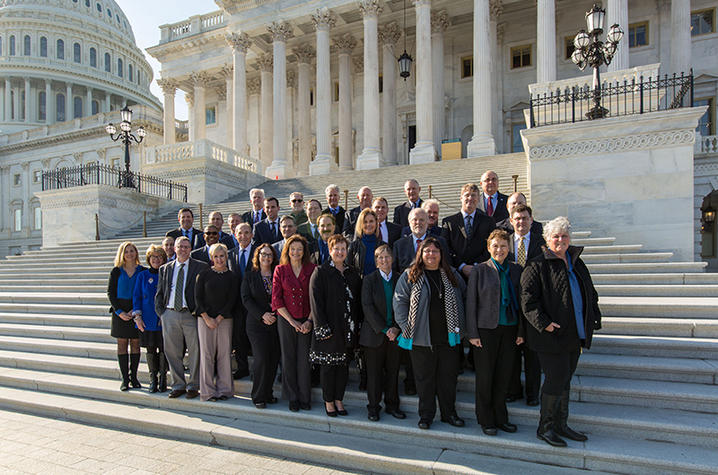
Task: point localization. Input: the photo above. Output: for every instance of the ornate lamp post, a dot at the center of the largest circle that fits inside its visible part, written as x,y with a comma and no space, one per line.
591,51
127,137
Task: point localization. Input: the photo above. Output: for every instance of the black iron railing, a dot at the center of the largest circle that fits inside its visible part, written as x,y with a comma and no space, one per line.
620,98
98,174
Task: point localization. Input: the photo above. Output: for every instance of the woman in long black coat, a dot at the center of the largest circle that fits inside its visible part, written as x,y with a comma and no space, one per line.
335,293
561,304
262,324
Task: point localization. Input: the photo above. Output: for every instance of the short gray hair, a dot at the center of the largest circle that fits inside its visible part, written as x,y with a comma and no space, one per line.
558,224
429,202
330,188
253,190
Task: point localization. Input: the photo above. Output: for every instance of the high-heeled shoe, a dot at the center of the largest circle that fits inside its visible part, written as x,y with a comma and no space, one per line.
330,413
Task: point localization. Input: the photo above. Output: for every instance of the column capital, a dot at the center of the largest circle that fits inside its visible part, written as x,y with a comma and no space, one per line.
370,8
496,8
227,71
422,3
323,19
304,53
168,86
389,34
199,78
254,86
280,31
46,161
358,64
239,42
189,98
221,91
439,21
345,43
291,79
500,30
265,62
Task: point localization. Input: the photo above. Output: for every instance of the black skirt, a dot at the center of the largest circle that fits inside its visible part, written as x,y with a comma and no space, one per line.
150,339
120,328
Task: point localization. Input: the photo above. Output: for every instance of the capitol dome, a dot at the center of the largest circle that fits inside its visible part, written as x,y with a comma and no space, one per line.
66,59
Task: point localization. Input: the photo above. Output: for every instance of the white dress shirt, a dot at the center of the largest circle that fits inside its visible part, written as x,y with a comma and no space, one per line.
414,238
384,231
517,241
386,277
171,299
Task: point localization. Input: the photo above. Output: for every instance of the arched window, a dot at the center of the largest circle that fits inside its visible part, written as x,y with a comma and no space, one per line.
12,45
77,53
108,63
60,49
77,107
41,106
43,47
95,107
60,107
119,67
87,3
129,73
99,7
109,13
26,45
93,57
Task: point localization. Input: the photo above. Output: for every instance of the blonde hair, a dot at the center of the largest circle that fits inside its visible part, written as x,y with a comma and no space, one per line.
155,249
218,246
120,256
359,228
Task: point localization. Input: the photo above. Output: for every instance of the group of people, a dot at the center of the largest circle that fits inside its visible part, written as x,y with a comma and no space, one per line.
319,288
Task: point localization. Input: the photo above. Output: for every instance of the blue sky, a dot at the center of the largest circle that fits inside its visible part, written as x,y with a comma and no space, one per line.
147,15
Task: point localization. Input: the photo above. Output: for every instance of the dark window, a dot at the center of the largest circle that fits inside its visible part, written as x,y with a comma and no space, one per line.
77,53
311,97
109,13
517,144
108,63
87,3
703,22
43,47
93,57
119,67
60,49
381,84
520,56
568,47
77,107
12,45
0,45
41,102
467,67
638,34
95,107
99,8
138,76
130,75
60,107
26,43
706,124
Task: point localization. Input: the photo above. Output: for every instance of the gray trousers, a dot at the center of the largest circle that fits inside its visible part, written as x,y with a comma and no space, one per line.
296,369
179,328
215,362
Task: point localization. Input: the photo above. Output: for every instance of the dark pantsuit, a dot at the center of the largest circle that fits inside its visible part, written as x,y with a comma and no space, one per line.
296,369
435,372
240,342
532,373
493,363
382,367
265,348
558,368
334,380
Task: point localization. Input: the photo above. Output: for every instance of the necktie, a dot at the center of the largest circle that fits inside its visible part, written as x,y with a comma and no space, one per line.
256,217
243,262
418,243
179,289
274,230
521,253
489,206
314,232
469,227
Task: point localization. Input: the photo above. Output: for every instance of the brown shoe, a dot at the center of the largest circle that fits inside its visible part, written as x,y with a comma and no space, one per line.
192,393
175,393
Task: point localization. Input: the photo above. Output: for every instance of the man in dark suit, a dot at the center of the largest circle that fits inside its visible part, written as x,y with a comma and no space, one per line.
401,212
404,249
333,208
326,227
525,245
466,232
185,216
175,304
288,228
514,200
389,232
239,261
211,236
365,197
216,218
491,202
267,230
233,220
256,214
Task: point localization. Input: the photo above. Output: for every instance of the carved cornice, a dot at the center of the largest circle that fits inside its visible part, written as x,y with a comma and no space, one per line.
613,144
254,85
280,31
345,43
227,71
389,34
323,18
496,8
291,79
304,53
199,78
239,42
370,7
439,21
168,86
265,62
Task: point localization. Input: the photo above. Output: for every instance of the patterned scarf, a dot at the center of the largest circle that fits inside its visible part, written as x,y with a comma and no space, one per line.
406,340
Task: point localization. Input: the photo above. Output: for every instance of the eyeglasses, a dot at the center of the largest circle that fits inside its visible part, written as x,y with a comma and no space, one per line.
266,254
211,233
297,201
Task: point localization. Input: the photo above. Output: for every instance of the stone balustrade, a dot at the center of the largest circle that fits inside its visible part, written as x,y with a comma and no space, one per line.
200,148
194,25
706,144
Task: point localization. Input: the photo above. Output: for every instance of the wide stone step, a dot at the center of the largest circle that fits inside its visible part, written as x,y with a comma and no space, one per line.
276,429
56,320
49,346
593,241
676,278
629,290
642,345
57,332
74,288
628,257
52,308
590,250
680,307
647,267
59,297
643,326
649,368
50,283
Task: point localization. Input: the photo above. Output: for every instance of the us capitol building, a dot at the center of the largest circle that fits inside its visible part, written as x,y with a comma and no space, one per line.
307,87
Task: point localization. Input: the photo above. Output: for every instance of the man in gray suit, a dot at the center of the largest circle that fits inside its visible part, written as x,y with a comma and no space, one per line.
174,303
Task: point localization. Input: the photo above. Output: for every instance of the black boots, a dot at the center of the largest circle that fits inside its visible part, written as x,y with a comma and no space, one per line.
153,365
549,414
134,364
123,360
560,425
162,362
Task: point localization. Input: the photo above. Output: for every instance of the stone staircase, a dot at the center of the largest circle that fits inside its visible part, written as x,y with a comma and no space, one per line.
646,393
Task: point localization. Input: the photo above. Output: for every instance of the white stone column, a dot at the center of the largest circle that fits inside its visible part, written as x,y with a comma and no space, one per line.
546,40
280,167
323,20
169,89
617,12
240,43
28,100
497,73
69,103
482,142
253,121
388,37
88,101
227,72
305,55
50,114
439,24
4,196
265,115
8,100
681,43
108,102
371,156
343,46
290,112
424,151
191,120
199,80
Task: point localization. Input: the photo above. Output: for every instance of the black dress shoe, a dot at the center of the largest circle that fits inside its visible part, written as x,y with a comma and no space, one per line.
272,400
192,393
569,433
175,393
260,405
508,427
294,406
330,413
125,386
223,397
305,406
454,420
342,412
398,413
424,424
513,397
489,430
373,416
532,401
